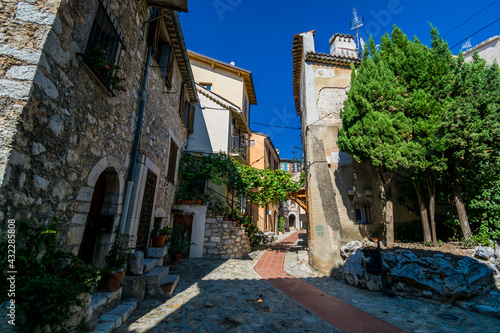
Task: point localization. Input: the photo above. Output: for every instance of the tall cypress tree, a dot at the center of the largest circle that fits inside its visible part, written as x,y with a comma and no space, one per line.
471,122
376,129
424,72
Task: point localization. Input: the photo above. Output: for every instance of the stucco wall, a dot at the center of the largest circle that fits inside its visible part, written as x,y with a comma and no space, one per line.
224,83
488,50
332,175
212,129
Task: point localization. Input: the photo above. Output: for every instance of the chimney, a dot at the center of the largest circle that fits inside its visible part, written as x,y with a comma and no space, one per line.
343,46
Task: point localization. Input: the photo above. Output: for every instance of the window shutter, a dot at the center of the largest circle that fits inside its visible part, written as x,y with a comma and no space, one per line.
170,67
164,52
182,101
185,116
190,124
172,160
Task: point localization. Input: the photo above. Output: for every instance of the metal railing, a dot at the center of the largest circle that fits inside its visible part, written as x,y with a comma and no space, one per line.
238,145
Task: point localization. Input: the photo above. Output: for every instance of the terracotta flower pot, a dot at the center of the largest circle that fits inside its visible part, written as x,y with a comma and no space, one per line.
113,281
175,258
159,240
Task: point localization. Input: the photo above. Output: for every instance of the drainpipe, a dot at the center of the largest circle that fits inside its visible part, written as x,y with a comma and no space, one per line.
131,175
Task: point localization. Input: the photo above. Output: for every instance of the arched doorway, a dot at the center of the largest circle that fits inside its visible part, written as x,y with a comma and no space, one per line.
101,216
291,221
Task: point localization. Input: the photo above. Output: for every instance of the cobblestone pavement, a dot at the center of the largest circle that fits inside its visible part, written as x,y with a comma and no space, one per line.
229,296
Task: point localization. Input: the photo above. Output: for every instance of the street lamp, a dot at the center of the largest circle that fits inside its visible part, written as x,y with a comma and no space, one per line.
296,163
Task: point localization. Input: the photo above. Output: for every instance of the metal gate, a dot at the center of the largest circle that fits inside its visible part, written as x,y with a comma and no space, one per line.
146,212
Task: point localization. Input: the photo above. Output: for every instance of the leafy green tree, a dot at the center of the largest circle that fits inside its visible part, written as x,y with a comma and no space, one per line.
376,128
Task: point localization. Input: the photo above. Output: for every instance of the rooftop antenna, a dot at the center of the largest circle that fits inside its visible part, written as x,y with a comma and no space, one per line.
467,45
356,22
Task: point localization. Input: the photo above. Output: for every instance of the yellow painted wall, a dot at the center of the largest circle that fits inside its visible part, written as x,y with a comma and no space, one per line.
224,83
259,158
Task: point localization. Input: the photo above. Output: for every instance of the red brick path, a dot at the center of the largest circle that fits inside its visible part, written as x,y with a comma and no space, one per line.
338,313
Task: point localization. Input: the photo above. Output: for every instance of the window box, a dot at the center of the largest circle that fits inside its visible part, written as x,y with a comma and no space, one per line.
103,51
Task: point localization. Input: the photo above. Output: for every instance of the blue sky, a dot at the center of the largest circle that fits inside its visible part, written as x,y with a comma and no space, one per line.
258,34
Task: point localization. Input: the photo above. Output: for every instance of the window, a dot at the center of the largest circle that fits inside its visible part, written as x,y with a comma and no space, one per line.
186,110
104,49
362,214
284,166
246,106
251,143
172,161
207,85
164,53
188,118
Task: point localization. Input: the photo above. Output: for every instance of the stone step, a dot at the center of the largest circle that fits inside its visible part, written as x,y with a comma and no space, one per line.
157,252
100,300
149,265
169,284
165,289
113,319
157,275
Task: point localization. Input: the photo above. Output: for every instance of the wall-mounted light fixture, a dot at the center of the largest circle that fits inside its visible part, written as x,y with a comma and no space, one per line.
296,163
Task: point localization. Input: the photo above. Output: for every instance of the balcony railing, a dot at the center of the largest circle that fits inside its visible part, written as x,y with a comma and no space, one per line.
238,146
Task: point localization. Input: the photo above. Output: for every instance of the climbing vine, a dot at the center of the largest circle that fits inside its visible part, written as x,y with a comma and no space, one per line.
261,187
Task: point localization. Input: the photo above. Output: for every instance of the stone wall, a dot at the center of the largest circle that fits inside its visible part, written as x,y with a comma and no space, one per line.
61,128
223,239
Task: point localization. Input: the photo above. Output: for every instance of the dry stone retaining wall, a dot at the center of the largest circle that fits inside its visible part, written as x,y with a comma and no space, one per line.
223,239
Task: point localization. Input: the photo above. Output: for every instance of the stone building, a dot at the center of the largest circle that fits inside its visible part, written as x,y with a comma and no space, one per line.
79,143
343,196
262,155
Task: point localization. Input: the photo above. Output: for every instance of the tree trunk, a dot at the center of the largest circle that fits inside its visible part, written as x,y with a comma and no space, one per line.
385,179
423,211
389,216
459,203
431,187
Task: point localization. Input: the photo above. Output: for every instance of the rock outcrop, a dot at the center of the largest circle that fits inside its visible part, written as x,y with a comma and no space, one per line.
434,275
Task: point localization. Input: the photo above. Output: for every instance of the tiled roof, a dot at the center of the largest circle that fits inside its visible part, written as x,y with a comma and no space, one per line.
178,45
246,74
328,59
297,51
342,35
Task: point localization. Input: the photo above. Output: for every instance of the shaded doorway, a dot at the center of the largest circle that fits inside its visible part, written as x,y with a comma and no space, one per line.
101,216
291,221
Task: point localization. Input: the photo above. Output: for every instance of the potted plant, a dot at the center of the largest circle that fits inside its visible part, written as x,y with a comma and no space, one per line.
281,224
159,236
179,244
116,259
